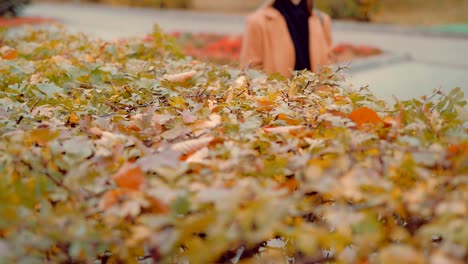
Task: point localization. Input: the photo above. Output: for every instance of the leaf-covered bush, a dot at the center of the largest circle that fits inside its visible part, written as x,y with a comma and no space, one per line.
355,9
126,152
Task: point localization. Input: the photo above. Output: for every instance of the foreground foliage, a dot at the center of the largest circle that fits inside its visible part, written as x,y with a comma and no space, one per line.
118,152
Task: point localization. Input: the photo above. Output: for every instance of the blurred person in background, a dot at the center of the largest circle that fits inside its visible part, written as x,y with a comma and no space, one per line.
287,35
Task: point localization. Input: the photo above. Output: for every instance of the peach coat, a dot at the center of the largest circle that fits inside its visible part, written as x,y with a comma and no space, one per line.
268,45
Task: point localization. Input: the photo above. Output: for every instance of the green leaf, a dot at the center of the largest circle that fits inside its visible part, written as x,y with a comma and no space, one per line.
180,206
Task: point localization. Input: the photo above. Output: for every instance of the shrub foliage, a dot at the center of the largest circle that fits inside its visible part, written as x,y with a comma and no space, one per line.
355,9
126,152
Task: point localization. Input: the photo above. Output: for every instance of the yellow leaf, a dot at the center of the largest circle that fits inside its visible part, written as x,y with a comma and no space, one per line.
42,135
73,119
177,102
400,254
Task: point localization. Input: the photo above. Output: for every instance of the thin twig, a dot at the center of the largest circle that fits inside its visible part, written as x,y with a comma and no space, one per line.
58,183
341,68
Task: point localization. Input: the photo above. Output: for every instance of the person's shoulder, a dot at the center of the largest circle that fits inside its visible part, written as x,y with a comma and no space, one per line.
256,16
261,15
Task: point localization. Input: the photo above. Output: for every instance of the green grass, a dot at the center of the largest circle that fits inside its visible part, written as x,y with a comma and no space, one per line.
423,12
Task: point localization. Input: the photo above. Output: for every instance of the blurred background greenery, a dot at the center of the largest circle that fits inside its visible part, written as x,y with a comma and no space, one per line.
422,12
354,9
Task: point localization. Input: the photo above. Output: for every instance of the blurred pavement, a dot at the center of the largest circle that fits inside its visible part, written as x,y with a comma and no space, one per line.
417,61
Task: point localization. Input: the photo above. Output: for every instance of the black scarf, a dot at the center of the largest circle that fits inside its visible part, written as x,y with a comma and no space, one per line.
297,18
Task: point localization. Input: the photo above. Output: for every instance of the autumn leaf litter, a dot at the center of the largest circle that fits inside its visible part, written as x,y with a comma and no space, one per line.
131,150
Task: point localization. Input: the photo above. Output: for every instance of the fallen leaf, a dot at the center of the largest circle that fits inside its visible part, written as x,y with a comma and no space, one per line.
156,206
457,149
188,117
288,120
130,177
8,53
180,77
213,121
400,254
337,113
191,145
94,131
392,121
291,185
265,105
198,156
112,197
364,116
73,119
134,126
283,129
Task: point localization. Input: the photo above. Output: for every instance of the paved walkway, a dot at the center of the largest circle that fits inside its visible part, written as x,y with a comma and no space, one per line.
419,61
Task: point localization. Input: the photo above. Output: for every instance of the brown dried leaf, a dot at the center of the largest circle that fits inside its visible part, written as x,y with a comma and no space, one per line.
283,129
191,145
179,77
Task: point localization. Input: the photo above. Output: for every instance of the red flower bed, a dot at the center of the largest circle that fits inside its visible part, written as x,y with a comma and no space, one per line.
225,49
346,52
221,49
20,21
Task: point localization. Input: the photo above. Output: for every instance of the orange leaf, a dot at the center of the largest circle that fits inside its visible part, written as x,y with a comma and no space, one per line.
112,197
8,53
157,206
455,149
265,105
187,155
134,126
129,177
283,116
340,99
364,116
337,113
392,121
291,185
288,119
